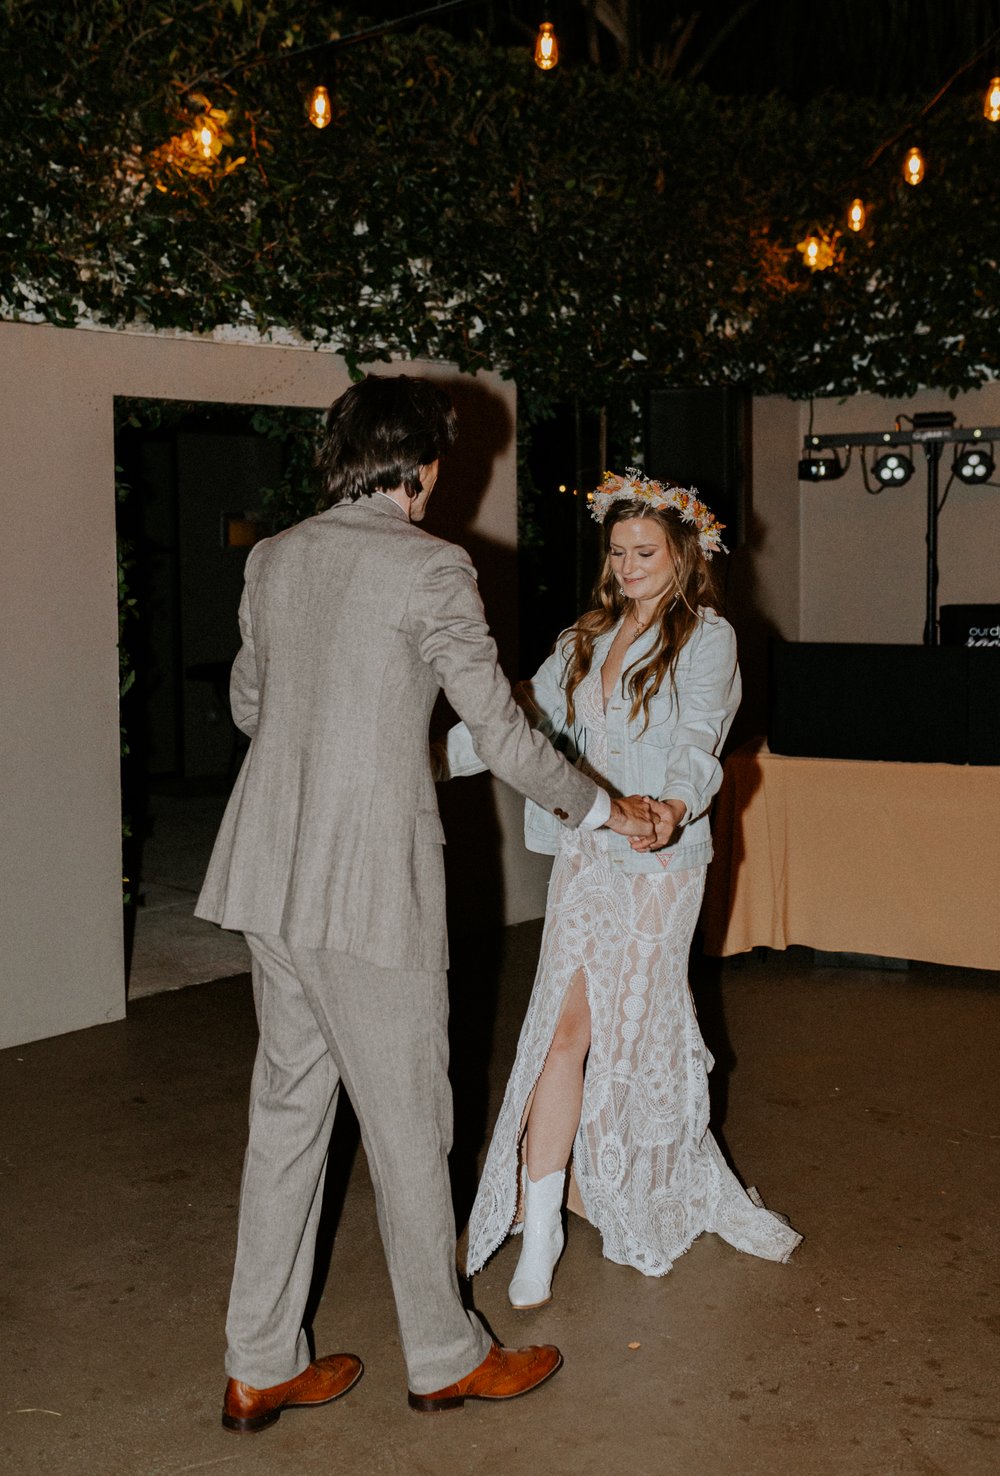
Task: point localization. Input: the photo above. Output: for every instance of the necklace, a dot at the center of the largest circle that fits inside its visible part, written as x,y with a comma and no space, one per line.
640,627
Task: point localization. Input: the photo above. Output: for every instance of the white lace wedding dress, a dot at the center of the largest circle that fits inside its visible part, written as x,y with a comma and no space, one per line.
649,1172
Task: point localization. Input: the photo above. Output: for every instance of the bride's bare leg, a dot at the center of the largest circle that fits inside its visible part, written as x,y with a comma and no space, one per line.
558,1099
552,1123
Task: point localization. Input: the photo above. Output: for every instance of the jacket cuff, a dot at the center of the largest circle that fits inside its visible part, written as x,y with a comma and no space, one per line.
690,798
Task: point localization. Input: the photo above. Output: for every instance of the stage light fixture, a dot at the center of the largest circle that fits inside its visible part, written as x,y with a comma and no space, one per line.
975,466
893,469
991,102
972,450
821,468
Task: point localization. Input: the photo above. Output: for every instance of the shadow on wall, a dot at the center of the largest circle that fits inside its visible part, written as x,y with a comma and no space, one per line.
754,633
485,432
468,810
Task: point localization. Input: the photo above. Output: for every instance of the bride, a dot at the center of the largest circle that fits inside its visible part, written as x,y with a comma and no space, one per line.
611,1069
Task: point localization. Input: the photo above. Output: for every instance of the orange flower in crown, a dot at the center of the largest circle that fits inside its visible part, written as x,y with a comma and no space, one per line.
635,486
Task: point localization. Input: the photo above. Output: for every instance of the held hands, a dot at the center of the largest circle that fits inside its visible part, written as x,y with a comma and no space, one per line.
648,823
633,817
667,815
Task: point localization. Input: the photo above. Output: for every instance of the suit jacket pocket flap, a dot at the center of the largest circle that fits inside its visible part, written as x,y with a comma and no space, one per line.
429,827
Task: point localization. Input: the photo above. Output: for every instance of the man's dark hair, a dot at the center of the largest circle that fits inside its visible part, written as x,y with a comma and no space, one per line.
380,432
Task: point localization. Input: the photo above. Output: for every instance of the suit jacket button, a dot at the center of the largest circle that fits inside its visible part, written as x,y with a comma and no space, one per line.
560,814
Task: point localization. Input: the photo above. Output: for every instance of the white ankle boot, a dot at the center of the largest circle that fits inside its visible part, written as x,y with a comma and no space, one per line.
542,1243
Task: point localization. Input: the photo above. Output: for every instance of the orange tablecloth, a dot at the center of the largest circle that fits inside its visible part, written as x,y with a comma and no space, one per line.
848,855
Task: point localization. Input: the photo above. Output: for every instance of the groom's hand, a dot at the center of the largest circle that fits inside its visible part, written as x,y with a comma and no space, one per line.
632,816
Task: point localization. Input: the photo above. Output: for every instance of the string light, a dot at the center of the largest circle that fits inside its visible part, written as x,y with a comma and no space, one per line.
913,166
318,107
546,47
817,252
197,150
206,139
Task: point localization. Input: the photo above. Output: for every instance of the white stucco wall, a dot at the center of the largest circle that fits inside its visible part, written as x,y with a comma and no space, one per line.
60,850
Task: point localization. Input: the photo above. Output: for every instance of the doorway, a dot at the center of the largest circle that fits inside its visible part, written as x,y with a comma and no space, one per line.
197,485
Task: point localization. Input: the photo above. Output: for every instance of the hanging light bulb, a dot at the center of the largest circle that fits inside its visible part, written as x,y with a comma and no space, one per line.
546,47
206,138
857,214
817,252
991,102
913,166
318,107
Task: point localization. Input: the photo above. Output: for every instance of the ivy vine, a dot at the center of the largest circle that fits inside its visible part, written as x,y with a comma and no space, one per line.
575,231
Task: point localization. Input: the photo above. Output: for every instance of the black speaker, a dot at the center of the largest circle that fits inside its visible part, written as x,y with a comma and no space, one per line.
984,705
916,704
701,438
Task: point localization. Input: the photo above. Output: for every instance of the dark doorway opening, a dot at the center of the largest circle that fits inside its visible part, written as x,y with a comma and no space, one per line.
197,485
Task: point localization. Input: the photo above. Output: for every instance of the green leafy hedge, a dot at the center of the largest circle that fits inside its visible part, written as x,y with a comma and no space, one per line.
576,231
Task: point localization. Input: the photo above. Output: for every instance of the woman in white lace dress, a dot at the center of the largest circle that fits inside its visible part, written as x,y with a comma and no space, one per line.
611,1069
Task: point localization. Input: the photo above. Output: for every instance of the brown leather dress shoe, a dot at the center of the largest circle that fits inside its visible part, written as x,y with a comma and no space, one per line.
503,1374
246,1409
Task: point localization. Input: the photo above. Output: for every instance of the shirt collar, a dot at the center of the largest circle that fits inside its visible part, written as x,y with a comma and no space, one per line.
392,504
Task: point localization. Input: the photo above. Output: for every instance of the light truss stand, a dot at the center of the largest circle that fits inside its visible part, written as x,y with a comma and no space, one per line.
931,438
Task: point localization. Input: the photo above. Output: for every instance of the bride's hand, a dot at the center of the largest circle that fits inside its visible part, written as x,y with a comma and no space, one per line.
667,815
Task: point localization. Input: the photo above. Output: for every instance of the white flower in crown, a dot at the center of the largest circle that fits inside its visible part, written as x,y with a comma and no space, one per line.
635,486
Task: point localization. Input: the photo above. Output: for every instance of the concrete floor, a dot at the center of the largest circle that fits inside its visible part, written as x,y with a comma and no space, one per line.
168,947
863,1104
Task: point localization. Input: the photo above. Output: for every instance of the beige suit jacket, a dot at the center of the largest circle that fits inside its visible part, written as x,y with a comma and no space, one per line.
351,623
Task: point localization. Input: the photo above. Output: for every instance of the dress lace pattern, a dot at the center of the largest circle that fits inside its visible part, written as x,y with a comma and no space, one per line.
650,1174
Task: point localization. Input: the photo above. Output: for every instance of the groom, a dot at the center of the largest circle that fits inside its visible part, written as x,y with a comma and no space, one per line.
329,859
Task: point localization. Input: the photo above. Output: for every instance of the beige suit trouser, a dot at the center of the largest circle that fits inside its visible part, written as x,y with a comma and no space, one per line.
326,1018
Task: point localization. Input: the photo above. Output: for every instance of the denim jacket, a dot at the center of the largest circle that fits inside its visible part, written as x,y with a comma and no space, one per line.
676,757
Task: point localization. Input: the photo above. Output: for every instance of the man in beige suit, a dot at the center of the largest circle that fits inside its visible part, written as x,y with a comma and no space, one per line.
329,859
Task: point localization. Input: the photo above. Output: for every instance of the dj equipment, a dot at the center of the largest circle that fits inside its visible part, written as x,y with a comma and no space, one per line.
917,704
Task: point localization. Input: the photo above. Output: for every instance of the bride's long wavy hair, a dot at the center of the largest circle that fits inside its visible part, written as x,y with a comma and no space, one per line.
696,585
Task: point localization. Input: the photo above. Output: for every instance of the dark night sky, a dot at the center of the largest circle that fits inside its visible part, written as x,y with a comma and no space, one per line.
860,47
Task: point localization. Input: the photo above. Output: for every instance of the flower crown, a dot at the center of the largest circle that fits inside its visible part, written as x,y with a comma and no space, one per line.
636,486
